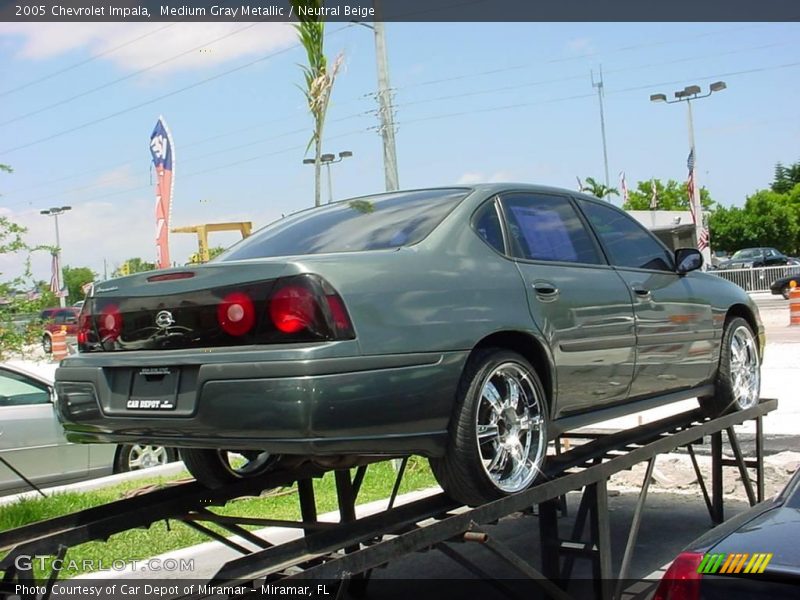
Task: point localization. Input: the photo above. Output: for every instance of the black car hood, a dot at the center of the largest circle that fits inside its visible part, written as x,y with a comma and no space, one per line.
776,531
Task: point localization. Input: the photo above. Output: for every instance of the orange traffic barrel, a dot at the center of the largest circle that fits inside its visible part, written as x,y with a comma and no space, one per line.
794,303
59,341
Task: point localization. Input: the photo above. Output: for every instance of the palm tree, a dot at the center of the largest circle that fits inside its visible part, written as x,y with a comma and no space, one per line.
318,79
595,188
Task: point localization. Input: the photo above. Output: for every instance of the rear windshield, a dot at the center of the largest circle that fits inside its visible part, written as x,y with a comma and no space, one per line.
369,223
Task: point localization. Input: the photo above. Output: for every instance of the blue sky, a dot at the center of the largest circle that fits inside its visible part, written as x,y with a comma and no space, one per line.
475,101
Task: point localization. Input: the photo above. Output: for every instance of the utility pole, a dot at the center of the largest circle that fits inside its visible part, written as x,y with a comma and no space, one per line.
385,102
384,97
599,86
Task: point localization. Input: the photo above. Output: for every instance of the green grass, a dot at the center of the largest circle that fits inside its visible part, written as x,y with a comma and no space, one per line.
163,537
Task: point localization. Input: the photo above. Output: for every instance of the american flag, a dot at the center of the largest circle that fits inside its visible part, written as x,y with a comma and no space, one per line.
654,197
704,240
624,187
704,237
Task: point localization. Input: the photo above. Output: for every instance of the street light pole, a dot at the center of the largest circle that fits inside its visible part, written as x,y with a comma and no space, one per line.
328,160
54,212
688,94
330,185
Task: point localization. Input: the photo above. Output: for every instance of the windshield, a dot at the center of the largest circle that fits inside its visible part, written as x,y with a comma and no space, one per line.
749,253
370,223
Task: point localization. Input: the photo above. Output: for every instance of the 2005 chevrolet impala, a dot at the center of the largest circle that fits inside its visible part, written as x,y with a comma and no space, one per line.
469,325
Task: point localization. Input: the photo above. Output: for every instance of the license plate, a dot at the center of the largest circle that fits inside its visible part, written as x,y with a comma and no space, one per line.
154,388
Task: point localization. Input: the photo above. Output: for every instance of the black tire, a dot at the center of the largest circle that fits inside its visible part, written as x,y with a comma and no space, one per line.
785,292
463,471
47,344
213,468
738,381
133,457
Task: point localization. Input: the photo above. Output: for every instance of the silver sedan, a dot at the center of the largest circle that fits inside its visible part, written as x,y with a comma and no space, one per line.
32,441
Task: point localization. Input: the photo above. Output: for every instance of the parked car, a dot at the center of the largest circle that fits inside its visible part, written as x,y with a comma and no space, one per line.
33,441
753,555
783,285
469,325
753,258
59,319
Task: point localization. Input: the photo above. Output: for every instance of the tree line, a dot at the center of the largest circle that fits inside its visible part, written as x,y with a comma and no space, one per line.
769,217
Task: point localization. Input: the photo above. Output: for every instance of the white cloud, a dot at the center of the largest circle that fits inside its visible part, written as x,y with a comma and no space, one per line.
580,46
157,42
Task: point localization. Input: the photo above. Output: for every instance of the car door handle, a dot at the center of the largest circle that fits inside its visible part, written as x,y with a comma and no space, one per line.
641,292
545,288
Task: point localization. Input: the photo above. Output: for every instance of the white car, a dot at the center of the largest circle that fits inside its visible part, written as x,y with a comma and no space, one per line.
32,441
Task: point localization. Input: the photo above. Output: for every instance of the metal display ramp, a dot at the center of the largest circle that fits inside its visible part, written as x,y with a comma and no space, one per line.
346,552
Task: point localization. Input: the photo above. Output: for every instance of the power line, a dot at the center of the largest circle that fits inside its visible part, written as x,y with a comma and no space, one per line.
124,78
185,160
492,90
530,65
159,98
83,62
435,117
583,96
96,56
217,167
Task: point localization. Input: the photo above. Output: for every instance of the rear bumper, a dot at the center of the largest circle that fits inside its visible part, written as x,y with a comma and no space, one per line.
359,405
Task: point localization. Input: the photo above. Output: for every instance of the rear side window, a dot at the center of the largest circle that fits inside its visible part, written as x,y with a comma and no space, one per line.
545,227
487,226
628,243
370,223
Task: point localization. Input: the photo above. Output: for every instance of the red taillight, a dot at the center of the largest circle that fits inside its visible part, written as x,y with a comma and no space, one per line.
293,308
109,323
84,327
341,320
236,314
681,581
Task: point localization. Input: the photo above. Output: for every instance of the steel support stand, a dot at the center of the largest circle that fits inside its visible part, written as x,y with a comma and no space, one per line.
718,509
549,538
601,536
346,496
760,458
633,534
308,503
740,463
701,481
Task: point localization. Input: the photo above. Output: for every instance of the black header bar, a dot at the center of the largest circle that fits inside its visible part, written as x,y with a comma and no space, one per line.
403,10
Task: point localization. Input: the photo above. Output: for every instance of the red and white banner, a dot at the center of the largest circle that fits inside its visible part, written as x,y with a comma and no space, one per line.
163,152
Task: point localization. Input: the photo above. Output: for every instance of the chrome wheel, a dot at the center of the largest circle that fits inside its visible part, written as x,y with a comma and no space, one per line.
144,457
509,424
745,370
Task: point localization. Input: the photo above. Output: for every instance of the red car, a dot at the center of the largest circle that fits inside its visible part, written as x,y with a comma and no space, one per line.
58,319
